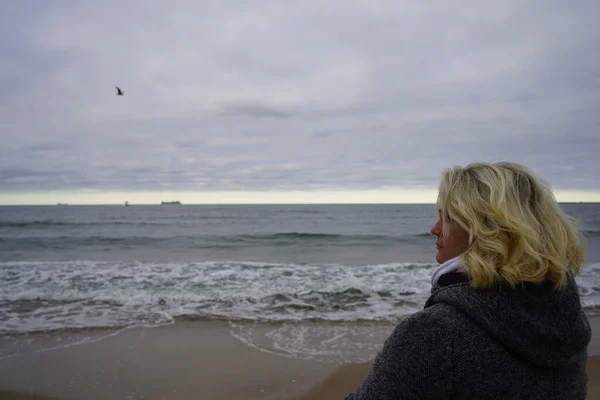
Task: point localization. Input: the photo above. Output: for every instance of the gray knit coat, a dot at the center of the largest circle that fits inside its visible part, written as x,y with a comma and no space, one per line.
499,343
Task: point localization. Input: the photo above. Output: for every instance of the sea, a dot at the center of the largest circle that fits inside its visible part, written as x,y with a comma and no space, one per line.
81,267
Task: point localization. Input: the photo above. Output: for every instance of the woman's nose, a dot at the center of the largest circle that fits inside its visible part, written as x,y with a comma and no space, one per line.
436,229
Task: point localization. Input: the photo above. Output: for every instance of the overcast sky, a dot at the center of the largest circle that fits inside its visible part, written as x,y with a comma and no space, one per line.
274,100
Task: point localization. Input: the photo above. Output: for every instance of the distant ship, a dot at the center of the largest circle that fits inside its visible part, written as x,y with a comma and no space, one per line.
62,204
171,203
126,204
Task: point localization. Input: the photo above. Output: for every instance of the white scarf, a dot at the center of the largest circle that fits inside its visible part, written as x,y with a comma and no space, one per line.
449,266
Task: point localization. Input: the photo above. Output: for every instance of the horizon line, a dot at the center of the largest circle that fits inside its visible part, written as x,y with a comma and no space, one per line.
243,204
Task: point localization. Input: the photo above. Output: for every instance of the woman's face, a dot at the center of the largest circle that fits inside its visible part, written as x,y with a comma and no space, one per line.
452,245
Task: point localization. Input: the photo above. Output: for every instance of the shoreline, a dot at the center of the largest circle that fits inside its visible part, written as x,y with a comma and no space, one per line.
200,359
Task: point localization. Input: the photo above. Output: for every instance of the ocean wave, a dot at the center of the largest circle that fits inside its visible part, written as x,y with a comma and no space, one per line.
93,294
50,224
58,241
315,237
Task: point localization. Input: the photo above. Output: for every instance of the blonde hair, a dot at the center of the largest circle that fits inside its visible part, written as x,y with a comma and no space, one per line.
517,231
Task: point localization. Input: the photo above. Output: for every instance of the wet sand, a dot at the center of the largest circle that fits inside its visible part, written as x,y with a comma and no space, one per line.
187,360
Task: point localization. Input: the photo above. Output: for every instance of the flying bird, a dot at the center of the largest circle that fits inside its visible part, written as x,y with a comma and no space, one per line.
119,91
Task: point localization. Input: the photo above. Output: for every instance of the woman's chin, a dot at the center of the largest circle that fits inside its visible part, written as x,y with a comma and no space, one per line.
440,258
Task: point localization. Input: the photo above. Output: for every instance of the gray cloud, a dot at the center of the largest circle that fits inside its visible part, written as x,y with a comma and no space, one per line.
255,109
297,95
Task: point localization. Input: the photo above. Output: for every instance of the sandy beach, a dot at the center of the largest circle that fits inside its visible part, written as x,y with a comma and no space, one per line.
179,361
186,360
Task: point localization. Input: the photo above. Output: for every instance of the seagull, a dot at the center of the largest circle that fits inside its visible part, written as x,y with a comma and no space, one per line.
119,92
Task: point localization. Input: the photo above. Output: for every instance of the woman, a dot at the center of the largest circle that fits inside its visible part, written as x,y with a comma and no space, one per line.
504,319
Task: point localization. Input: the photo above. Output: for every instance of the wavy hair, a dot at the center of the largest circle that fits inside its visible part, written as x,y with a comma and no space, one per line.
517,231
